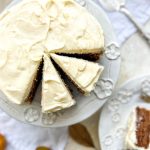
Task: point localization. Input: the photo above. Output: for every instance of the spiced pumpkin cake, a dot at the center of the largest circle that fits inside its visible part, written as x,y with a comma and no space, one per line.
31,31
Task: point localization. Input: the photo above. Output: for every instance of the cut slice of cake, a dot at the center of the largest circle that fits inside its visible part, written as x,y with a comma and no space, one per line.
83,74
138,134
55,95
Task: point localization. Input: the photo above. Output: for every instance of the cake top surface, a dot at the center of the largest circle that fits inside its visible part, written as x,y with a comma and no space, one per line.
33,28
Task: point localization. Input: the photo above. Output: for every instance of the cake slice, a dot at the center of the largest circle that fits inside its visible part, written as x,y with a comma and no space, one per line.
83,74
55,95
138,134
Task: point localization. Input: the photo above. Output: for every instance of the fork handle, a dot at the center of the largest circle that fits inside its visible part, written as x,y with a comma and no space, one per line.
145,34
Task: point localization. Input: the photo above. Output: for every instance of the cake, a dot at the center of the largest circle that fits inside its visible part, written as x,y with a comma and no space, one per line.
34,29
138,133
55,95
84,74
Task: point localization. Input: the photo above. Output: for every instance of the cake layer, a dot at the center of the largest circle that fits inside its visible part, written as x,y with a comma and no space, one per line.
90,57
138,134
143,128
35,84
84,74
55,95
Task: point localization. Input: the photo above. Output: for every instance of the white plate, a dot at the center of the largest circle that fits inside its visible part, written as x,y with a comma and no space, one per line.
115,113
86,106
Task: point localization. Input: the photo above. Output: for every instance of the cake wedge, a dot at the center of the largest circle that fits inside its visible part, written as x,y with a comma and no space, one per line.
55,95
138,132
84,74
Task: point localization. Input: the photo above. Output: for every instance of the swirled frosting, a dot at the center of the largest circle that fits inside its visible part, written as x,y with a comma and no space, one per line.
83,73
55,95
33,28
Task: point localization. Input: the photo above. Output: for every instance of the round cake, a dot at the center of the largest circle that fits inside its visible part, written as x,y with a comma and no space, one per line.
39,36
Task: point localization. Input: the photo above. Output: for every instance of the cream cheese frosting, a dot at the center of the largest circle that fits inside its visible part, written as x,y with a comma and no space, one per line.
131,136
33,28
83,73
55,95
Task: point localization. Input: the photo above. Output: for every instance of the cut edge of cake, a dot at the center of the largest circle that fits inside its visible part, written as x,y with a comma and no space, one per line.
35,84
89,57
137,127
55,95
82,73
16,96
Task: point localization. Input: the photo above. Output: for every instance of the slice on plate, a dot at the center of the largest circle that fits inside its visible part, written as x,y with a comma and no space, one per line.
138,134
55,95
83,74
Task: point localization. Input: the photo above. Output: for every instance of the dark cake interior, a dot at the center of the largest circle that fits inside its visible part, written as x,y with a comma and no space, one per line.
35,83
90,57
143,127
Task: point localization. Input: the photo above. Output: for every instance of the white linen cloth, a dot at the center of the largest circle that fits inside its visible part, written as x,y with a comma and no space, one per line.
123,27
21,136
25,137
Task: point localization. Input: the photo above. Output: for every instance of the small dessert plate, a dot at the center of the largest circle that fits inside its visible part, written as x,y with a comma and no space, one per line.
86,105
115,113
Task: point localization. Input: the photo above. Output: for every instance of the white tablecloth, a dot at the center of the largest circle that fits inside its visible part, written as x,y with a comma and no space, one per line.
25,137
122,26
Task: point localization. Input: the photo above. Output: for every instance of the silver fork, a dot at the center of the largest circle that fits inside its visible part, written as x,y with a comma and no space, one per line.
119,5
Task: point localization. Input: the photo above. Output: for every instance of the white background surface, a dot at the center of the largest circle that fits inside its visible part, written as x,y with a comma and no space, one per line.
29,136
